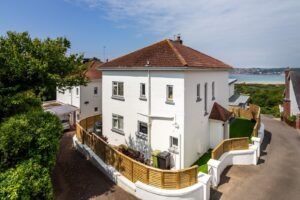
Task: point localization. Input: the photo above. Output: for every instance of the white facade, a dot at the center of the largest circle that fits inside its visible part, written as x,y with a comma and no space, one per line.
85,98
184,119
294,106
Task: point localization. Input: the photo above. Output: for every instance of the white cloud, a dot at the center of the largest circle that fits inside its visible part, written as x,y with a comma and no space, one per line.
242,33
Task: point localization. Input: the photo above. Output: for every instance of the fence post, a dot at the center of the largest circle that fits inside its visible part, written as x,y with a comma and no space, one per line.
178,180
162,179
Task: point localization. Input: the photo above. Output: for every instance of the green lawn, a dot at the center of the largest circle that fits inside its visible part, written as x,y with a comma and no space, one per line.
202,162
241,128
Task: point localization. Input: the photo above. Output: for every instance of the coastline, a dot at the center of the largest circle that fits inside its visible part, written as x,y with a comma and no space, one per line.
260,83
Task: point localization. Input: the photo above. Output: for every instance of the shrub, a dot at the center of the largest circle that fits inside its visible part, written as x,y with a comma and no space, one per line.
33,134
28,180
292,118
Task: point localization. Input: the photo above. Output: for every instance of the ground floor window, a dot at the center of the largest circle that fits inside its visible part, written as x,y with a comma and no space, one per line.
173,142
117,122
142,127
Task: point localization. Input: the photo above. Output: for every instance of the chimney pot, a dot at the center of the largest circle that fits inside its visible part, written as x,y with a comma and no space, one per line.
178,39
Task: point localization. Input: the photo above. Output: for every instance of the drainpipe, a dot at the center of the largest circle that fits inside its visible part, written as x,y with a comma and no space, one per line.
149,110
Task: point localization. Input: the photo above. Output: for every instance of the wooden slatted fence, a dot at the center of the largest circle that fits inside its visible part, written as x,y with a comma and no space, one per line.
229,145
130,168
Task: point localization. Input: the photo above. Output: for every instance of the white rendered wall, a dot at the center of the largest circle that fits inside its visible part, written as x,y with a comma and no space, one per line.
294,105
87,95
216,133
231,89
133,109
69,97
197,138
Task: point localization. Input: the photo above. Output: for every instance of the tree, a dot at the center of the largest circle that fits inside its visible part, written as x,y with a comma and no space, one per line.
37,66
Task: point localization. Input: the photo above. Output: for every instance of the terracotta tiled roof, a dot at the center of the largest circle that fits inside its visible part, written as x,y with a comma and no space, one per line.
92,71
167,53
219,113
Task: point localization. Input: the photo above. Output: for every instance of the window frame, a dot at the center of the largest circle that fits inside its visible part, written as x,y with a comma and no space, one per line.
117,85
172,142
169,100
213,91
120,126
139,125
95,90
143,96
198,92
205,99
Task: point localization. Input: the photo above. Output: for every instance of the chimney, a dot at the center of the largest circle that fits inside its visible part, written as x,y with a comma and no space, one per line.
178,39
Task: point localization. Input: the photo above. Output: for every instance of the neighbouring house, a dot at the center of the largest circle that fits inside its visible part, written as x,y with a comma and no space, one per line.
88,99
236,99
291,101
167,97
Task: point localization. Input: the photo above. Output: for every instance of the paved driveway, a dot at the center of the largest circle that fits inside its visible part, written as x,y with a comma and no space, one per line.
277,176
74,177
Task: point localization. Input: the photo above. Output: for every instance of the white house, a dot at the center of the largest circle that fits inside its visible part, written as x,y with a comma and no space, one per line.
167,97
88,99
291,101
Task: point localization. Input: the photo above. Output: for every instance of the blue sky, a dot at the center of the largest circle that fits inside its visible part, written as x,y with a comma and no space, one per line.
241,33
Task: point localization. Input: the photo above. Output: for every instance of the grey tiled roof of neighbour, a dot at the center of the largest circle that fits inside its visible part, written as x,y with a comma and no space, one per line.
295,79
232,80
238,99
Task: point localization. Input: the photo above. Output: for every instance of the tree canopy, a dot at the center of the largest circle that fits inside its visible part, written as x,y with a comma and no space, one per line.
35,66
30,71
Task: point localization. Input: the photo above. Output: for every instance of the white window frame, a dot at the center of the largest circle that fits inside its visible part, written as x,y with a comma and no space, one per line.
213,90
198,92
117,85
142,123
95,91
120,123
168,99
172,142
142,96
205,99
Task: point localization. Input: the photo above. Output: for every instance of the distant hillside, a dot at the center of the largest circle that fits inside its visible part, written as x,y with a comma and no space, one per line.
274,71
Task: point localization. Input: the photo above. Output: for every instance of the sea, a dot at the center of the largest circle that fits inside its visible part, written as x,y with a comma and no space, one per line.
261,79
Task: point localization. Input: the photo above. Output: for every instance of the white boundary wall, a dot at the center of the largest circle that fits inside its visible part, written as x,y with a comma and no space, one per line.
199,191
236,157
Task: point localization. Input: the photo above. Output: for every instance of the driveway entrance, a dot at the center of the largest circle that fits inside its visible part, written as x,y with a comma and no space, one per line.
277,176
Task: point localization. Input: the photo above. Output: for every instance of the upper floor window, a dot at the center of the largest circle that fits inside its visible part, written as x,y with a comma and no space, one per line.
96,109
117,123
77,91
205,99
95,90
213,90
143,91
169,94
118,89
198,92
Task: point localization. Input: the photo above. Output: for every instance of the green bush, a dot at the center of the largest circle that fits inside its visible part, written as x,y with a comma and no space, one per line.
268,97
28,180
292,118
34,134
